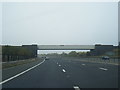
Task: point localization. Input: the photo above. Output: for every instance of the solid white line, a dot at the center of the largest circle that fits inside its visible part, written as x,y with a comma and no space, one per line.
76,87
21,73
63,70
103,69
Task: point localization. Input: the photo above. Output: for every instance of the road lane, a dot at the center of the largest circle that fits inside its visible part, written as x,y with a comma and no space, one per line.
21,73
12,71
60,73
89,75
47,75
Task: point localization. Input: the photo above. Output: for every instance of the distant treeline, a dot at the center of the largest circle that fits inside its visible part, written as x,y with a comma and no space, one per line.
77,54
72,54
12,53
115,52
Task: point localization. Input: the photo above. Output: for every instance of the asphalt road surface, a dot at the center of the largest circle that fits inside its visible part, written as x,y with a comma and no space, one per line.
60,73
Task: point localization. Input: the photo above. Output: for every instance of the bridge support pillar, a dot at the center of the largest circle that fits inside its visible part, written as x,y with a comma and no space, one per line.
32,48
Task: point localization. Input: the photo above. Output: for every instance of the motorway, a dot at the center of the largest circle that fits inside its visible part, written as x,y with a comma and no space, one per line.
58,72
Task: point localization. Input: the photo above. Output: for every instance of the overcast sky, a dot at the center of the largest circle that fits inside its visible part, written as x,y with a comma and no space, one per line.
0,23
87,23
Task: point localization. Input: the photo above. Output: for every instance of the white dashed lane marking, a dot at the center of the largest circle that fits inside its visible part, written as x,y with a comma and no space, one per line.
103,69
63,70
76,87
59,65
83,64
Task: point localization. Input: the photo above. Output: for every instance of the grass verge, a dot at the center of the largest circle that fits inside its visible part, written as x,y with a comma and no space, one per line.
16,63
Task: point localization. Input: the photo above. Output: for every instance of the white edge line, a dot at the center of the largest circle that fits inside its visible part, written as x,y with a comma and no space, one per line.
21,73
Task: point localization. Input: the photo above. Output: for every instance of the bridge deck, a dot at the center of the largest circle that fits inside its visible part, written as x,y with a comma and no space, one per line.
66,47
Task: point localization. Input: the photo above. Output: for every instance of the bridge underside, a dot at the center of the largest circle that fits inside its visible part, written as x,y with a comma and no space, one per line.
65,47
